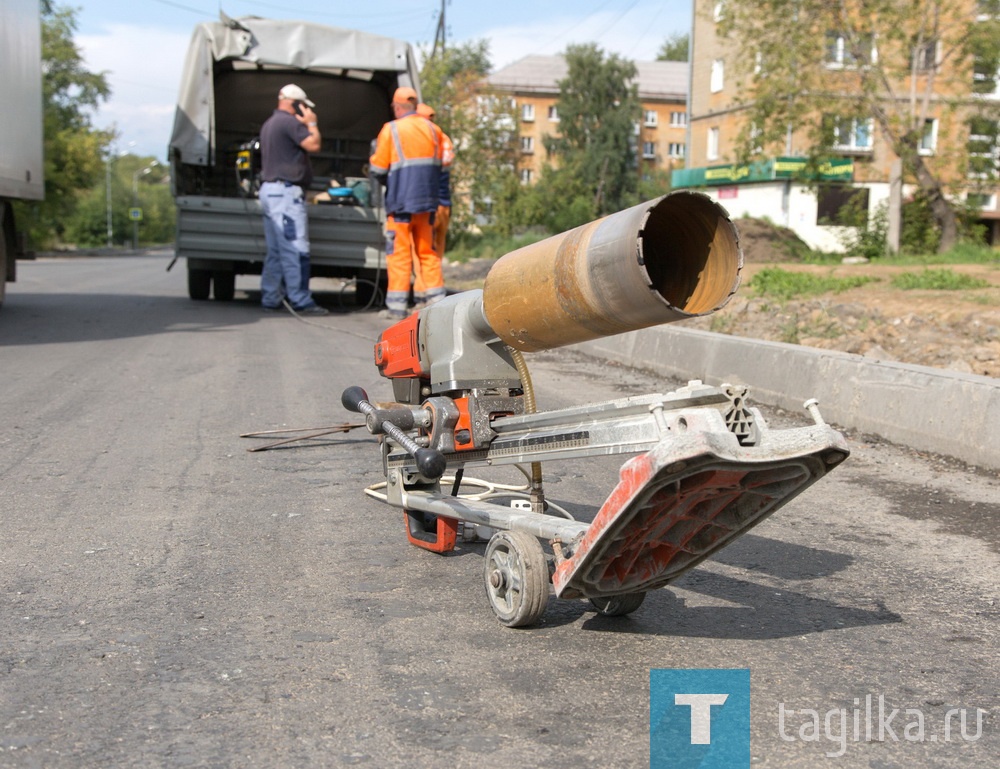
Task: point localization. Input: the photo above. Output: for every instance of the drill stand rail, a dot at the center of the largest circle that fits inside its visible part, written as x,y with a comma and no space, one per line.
707,469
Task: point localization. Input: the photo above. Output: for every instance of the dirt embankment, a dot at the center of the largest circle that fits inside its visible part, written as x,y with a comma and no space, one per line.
956,330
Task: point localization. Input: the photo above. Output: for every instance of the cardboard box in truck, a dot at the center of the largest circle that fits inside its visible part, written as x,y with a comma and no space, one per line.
232,75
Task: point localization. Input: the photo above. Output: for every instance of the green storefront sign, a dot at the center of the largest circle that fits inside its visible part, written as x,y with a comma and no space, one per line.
833,170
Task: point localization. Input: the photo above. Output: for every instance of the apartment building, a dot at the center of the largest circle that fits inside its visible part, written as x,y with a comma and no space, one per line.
533,82
860,159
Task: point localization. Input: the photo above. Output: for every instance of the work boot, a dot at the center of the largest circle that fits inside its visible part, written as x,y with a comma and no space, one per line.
313,309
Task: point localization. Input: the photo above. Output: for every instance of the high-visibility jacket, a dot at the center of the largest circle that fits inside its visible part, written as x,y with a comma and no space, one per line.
411,151
444,196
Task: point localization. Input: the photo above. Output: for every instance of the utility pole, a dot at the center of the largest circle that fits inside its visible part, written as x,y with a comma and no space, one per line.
439,34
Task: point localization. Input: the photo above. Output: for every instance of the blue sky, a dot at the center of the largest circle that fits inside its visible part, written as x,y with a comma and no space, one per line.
141,44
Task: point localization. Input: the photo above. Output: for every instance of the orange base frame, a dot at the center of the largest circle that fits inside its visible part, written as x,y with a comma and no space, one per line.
441,540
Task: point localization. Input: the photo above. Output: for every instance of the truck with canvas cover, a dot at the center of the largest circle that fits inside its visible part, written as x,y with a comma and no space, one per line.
233,73
21,133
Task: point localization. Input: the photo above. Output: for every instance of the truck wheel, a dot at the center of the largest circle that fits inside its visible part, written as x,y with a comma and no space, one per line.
199,284
7,248
224,286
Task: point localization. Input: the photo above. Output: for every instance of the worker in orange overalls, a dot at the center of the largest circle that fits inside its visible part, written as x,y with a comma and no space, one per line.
443,215
409,156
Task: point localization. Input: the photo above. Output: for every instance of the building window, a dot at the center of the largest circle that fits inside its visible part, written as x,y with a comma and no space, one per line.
528,113
553,114
718,76
839,53
712,153
675,149
928,139
926,56
649,150
840,205
650,118
985,77
983,148
678,119
852,135
526,176
527,144
836,50
985,201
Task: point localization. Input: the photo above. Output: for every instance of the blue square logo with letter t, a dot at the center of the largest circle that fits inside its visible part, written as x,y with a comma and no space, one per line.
699,719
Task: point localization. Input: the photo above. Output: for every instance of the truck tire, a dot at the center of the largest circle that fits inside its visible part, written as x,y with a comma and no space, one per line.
199,284
7,247
224,286
3,267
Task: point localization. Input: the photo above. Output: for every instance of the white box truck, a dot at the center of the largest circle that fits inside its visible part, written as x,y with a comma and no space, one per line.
232,75
21,131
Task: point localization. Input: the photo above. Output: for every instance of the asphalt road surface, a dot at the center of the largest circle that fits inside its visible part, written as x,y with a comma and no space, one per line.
170,599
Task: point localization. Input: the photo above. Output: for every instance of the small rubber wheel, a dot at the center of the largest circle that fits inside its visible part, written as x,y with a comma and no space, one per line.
618,605
517,578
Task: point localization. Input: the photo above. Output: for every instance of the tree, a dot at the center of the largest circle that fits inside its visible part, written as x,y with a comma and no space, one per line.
480,124
674,48
73,148
87,224
598,109
831,71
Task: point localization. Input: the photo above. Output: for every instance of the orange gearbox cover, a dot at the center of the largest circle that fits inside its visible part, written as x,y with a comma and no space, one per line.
397,352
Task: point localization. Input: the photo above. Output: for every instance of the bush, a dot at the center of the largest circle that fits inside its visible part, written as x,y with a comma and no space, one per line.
783,284
919,233
937,280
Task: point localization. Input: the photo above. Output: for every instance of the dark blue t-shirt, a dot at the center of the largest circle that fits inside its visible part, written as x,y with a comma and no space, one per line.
281,156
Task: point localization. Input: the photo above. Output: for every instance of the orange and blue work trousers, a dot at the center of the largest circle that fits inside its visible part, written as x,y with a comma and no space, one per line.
409,245
441,219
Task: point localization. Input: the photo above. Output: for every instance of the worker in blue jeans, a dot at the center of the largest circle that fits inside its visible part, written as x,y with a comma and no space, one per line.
286,139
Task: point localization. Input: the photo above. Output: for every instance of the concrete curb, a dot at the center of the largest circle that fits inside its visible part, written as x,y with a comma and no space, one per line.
929,409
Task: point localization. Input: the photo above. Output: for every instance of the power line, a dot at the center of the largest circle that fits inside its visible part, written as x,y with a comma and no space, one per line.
199,11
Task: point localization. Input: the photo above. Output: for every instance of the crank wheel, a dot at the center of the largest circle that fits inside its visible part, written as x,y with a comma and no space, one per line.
618,605
517,578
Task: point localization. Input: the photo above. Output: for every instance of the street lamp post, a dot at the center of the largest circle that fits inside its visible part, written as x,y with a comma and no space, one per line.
135,200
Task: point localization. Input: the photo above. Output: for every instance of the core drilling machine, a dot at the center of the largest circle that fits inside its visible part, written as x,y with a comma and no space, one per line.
706,469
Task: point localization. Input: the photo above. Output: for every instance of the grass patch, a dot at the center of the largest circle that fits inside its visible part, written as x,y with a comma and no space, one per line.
937,280
782,284
963,253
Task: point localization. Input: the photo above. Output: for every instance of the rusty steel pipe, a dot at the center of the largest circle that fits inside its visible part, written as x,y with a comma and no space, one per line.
665,260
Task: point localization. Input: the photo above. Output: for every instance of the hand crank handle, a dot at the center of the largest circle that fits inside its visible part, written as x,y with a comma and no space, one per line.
430,462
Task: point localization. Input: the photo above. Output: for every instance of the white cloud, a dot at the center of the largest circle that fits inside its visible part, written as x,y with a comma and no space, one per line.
636,34
144,66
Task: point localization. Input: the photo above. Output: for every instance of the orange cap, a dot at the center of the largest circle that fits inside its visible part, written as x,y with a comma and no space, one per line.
425,110
404,95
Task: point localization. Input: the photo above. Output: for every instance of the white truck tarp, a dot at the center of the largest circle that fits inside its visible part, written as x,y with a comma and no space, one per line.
270,44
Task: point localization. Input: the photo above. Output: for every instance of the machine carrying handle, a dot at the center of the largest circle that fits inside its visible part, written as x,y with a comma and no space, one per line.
430,462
